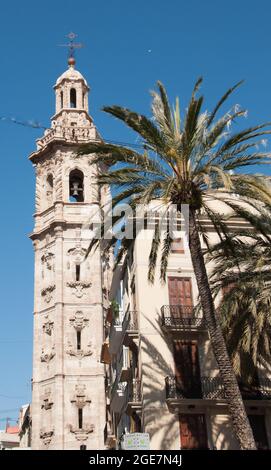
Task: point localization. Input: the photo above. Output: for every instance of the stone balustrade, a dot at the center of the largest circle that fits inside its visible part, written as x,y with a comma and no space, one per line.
67,133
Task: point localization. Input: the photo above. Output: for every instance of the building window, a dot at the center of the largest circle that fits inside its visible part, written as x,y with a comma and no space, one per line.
77,272
80,418
61,99
177,246
193,432
78,337
72,98
76,186
257,423
187,368
180,292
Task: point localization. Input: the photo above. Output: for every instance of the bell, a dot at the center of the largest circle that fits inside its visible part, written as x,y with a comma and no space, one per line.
75,188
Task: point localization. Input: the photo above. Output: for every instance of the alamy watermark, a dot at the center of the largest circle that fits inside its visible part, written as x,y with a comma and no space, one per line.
123,221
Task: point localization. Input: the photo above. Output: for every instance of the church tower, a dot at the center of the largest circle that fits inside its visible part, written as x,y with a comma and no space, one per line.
68,403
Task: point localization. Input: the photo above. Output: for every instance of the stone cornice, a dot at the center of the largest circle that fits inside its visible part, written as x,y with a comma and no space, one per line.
36,234
38,155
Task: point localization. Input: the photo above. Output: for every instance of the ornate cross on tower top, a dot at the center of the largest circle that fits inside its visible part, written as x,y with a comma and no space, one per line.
72,46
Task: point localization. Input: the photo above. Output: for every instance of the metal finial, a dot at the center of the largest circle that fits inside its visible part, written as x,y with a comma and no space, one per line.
72,46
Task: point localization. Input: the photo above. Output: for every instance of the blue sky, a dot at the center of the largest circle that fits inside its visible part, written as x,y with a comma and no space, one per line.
128,46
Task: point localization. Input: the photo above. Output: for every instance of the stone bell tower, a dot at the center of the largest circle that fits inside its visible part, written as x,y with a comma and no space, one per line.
68,407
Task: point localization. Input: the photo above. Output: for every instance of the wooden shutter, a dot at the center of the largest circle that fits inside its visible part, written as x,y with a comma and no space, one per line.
257,423
187,368
193,434
180,291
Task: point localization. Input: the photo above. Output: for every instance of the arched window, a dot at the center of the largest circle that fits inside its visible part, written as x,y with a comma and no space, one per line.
61,99
76,186
72,98
83,99
49,188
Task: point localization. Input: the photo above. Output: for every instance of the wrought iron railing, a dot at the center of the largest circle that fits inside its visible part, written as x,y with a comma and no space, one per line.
213,388
181,316
130,321
260,391
134,391
204,387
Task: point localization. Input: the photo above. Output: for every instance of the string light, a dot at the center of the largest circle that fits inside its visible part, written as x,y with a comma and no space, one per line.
37,125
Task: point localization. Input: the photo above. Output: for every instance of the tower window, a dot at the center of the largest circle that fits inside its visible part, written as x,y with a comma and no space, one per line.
77,272
83,99
72,98
78,337
80,418
61,99
76,186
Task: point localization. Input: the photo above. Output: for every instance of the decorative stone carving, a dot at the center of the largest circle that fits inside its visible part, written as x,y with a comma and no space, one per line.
78,321
82,434
47,356
46,436
47,403
79,352
78,287
47,260
47,293
48,326
78,253
80,398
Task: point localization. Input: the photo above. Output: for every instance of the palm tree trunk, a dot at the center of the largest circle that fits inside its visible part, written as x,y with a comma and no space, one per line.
237,410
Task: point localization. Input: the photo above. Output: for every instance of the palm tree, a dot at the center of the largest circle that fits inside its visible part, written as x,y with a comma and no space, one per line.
182,163
242,271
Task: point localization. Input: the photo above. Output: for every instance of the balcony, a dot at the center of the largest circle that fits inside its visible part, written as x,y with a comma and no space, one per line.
67,133
124,329
261,391
117,393
134,395
176,318
130,326
208,389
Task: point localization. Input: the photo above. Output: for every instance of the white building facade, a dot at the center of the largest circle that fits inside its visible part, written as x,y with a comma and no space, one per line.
163,378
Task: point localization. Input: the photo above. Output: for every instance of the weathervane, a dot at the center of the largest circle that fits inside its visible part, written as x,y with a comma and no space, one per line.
72,46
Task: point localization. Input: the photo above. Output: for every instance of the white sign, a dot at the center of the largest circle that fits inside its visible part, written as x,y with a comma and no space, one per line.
136,441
